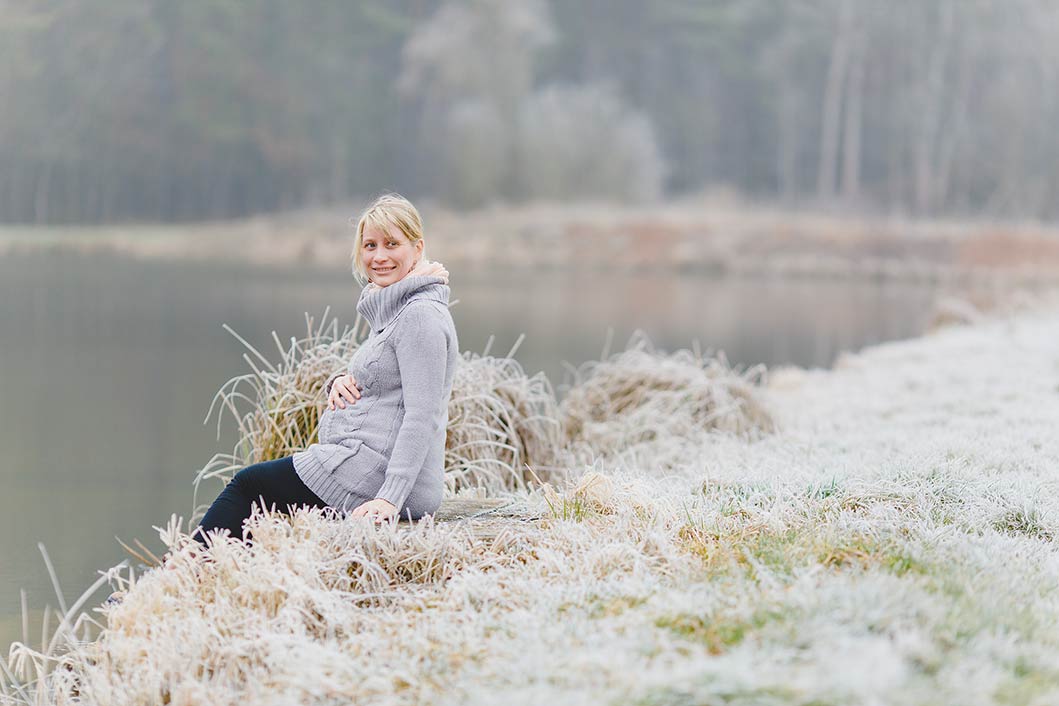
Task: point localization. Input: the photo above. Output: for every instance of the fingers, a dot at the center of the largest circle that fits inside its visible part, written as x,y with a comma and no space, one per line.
346,387
431,269
351,391
370,510
362,510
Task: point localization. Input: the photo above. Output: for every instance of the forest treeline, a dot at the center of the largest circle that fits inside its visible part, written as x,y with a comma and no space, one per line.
203,109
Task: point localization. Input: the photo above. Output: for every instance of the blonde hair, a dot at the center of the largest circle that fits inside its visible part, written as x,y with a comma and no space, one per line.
387,210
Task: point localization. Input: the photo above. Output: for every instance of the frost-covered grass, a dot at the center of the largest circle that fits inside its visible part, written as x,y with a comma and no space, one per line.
891,541
642,394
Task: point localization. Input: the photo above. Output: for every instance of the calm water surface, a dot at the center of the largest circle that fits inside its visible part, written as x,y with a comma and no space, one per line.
108,366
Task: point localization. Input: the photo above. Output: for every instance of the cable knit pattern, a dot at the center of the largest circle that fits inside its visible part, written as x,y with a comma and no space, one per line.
390,443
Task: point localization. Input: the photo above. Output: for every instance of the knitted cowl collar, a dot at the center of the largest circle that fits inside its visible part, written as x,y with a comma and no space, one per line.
380,305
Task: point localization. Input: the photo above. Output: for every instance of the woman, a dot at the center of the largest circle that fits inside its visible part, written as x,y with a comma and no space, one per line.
382,435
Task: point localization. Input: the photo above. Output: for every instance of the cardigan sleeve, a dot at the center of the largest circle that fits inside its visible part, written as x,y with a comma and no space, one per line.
331,381
421,345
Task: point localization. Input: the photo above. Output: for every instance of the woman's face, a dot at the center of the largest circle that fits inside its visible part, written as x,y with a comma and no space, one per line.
388,257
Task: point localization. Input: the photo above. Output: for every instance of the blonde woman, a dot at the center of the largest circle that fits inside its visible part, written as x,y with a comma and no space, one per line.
382,434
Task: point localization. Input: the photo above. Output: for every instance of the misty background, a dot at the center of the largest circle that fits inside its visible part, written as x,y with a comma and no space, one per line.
140,110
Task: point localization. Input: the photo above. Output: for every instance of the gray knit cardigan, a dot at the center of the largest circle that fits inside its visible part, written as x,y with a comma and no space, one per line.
390,443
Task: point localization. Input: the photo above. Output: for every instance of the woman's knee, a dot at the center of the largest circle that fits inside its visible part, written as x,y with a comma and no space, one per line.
268,479
247,480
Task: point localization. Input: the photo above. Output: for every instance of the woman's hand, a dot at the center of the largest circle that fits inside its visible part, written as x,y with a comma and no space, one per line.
345,386
431,269
377,509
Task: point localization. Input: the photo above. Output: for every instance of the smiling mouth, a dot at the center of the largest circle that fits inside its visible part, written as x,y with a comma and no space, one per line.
383,271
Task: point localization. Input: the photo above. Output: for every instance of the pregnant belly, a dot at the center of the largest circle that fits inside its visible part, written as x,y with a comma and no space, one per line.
338,424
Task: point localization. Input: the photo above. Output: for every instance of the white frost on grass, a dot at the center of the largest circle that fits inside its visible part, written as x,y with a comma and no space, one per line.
892,542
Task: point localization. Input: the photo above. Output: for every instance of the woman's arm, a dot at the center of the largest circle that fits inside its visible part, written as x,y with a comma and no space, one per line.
422,354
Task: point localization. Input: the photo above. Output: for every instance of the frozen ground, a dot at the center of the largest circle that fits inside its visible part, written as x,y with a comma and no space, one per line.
892,542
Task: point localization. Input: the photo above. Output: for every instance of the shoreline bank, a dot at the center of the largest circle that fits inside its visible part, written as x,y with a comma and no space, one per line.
696,238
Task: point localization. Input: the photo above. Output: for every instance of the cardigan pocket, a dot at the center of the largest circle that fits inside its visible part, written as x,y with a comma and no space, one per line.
365,471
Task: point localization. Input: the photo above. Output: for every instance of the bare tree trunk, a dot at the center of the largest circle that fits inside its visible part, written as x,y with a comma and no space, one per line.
787,153
932,112
851,147
5,194
339,168
953,133
832,106
74,197
108,186
41,194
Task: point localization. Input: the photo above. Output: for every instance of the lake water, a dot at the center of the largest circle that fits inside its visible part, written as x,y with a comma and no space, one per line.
108,366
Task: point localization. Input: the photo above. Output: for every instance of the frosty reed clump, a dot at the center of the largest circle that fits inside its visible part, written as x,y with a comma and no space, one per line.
641,395
502,423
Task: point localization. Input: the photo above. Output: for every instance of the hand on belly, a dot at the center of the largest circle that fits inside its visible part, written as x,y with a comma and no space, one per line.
343,389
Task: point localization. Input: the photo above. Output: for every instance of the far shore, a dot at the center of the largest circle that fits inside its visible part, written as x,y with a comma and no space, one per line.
687,236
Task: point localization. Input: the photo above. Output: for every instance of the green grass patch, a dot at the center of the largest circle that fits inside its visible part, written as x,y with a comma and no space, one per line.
719,632
748,548
761,696
1023,521
598,606
573,508
1026,684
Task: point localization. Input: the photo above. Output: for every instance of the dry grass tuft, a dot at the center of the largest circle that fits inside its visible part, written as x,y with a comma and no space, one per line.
642,395
277,406
501,423
592,494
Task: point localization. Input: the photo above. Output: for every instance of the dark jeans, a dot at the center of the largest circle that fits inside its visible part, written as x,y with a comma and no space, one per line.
274,482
